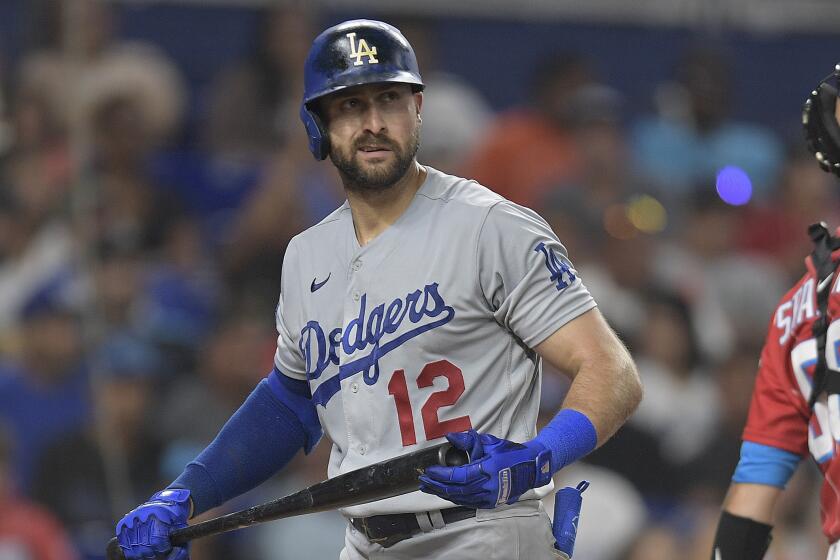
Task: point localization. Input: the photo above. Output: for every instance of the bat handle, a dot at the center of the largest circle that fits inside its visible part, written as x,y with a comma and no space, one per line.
114,552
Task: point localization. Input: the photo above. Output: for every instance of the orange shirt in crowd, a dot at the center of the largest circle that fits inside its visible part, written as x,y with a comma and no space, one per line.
523,156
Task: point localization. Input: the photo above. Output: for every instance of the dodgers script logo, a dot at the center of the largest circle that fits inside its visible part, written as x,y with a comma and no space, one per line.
560,271
363,339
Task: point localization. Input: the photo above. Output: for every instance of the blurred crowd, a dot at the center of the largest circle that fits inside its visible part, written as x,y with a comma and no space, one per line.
142,230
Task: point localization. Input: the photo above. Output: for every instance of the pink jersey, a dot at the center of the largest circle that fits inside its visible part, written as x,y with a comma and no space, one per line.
779,414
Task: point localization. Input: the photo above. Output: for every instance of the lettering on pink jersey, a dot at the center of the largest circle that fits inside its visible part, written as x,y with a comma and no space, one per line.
795,311
804,308
783,320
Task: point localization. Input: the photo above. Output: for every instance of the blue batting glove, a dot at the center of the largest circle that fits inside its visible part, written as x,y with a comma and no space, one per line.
144,532
498,473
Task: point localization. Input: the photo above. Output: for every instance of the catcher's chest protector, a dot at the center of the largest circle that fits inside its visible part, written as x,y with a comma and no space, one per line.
825,379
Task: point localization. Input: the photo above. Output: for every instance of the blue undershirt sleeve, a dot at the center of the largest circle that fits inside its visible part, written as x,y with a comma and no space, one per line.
763,464
273,424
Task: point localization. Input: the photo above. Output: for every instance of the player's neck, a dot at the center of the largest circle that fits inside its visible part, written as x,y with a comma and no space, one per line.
374,212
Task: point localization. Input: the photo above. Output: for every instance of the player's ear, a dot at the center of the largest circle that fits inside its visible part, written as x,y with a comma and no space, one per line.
418,102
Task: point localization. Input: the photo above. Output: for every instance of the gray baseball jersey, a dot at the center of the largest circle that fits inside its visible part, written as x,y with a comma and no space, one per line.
427,329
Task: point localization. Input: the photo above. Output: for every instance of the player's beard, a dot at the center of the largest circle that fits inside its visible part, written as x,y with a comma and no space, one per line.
373,178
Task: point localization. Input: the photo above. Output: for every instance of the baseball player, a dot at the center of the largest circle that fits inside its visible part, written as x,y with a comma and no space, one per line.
795,407
420,309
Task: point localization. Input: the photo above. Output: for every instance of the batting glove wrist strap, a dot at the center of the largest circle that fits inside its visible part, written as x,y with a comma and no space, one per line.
172,497
498,473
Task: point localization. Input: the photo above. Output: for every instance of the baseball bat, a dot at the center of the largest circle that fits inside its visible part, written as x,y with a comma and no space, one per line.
386,479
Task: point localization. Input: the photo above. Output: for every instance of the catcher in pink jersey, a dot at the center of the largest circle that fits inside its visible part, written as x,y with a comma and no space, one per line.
795,409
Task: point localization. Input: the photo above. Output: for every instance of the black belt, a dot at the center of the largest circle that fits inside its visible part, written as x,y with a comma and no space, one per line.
388,530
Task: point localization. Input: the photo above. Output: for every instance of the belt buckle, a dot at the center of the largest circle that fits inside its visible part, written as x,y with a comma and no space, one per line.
368,536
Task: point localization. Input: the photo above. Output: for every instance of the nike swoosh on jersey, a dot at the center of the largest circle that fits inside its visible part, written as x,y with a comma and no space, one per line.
315,286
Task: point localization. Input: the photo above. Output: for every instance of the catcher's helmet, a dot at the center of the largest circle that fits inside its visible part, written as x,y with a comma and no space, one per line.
822,132
352,53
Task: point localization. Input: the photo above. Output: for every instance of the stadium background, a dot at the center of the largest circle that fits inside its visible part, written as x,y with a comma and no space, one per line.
152,169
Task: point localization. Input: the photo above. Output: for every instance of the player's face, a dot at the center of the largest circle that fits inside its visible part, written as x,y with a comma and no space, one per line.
374,133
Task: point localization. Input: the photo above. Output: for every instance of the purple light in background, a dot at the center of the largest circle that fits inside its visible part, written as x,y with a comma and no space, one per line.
734,186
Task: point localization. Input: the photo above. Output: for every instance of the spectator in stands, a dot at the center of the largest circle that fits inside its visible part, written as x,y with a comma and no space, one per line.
48,382
776,228
118,283
180,295
592,206
196,407
678,415
703,264
455,113
27,530
681,403
100,66
84,483
254,104
37,170
529,150
711,471
35,257
294,192
692,137
132,210
36,249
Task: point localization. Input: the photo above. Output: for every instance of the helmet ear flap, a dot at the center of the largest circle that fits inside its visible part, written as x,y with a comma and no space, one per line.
319,140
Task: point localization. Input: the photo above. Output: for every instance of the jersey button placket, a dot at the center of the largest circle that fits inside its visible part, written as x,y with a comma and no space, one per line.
354,267
356,415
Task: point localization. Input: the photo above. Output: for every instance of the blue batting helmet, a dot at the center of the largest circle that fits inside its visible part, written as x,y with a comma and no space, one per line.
360,51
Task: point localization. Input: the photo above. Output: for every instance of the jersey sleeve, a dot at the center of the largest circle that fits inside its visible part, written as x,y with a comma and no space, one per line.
288,358
526,276
777,414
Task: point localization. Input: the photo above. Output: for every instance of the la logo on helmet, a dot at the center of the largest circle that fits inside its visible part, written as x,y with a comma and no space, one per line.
363,50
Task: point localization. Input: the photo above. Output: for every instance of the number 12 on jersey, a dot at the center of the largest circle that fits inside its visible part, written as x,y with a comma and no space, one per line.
433,426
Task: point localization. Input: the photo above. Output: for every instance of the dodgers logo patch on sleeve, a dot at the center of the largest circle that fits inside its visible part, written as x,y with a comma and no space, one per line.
561,273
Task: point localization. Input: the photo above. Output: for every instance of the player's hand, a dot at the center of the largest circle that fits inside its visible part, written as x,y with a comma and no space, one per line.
498,473
144,531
